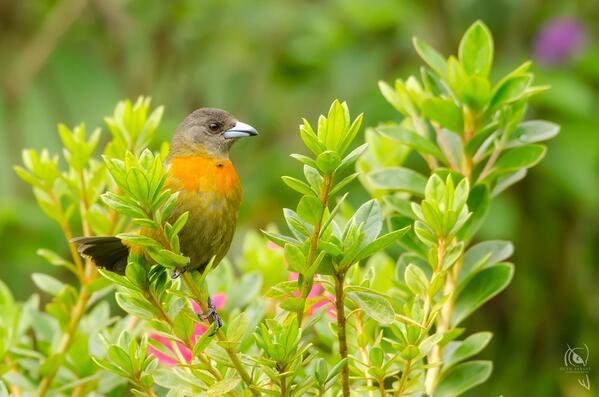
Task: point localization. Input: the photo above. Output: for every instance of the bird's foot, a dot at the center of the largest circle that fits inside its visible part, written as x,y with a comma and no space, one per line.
177,272
212,315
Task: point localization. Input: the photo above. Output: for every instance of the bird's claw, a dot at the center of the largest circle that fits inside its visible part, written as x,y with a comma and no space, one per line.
212,314
177,272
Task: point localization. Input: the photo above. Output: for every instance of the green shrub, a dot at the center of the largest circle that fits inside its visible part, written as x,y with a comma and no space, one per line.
381,288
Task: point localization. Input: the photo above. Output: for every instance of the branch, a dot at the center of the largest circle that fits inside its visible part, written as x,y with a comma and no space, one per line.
235,360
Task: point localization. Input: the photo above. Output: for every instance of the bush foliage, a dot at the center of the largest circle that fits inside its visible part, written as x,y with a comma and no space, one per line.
350,298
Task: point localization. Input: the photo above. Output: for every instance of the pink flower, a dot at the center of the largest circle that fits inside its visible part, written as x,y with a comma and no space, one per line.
219,302
317,292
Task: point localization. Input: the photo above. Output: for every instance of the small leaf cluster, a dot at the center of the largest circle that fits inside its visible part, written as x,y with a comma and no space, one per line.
457,117
133,126
129,359
318,244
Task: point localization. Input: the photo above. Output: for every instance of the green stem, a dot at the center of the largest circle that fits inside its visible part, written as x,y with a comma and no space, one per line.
382,391
341,330
187,343
77,311
231,352
67,338
404,379
307,284
283,385
443,320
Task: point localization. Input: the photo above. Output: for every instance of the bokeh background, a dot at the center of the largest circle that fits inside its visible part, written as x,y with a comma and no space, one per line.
271,62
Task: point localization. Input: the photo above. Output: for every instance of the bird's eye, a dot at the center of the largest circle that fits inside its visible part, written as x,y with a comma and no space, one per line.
214,127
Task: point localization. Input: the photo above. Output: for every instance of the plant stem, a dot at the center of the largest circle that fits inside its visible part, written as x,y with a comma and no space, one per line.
147,390
283,385
67,338
404,378
307,284
443,319
341,331
382,387
231,352
187,343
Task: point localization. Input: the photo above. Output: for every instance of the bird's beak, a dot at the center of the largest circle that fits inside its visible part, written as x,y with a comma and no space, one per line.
240,130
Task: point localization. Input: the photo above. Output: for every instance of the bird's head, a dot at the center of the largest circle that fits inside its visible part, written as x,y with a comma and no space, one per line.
208,132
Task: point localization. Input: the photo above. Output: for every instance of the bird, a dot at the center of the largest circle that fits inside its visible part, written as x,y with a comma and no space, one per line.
200,170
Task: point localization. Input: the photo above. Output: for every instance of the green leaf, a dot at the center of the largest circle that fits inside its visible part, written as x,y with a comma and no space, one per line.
313,177
328,161
482,287
510,91
138,184
297,185
130,306
343,183
478,204
120,358
410,138
399,178
369,216
280,239
298,227
47,283
381,243
430,56
445,112
416,280
486,253
533,131
375,306
237,327
304,160
455,76
452,255
508,180
223,387
464,377
295,258
351,134
310,209
334,126
352,156
292,304
476,50
520,157
309,138
398,97
455,352
476,92
54,259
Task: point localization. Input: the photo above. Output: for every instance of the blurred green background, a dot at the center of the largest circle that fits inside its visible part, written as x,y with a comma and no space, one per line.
271,62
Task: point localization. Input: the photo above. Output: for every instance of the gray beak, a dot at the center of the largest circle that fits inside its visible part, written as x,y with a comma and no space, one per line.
240,130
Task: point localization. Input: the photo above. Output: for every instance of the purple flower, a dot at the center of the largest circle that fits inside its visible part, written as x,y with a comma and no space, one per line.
558,40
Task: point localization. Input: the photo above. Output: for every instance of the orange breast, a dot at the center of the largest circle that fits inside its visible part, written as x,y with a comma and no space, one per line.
202,174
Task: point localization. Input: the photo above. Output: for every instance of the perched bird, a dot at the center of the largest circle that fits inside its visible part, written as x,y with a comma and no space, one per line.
208,185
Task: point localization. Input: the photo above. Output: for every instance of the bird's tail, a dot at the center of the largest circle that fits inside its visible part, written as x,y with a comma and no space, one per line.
107,252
